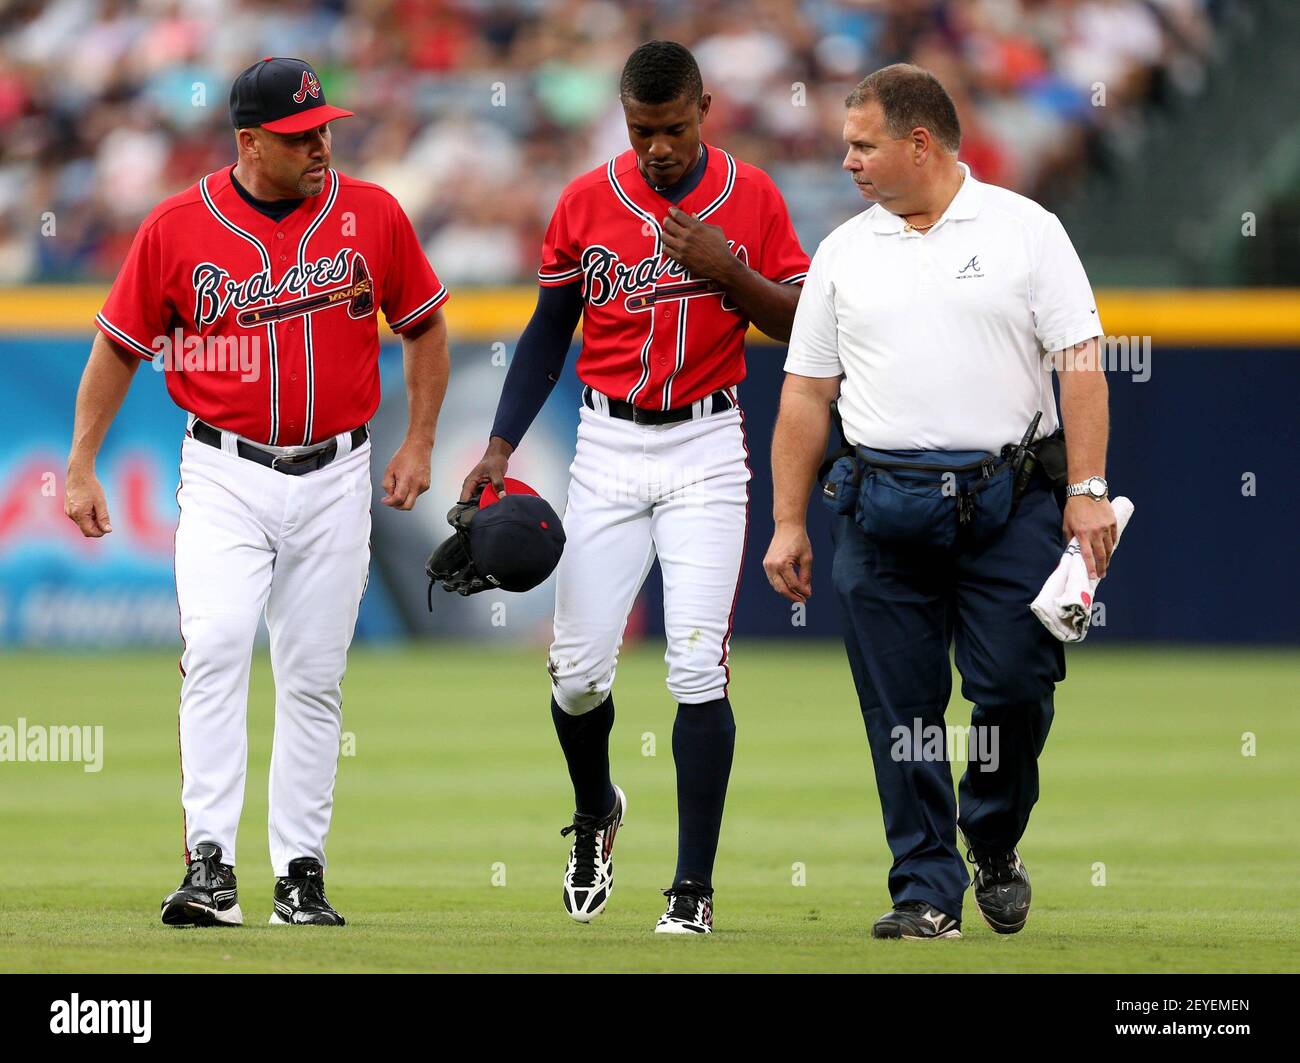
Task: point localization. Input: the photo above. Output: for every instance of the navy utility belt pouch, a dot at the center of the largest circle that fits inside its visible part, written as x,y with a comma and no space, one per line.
933,498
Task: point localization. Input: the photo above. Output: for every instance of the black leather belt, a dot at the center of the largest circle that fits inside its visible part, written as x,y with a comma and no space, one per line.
290,465
626,411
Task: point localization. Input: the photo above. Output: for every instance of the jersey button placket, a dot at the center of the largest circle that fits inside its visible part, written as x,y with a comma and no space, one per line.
664,357
923,264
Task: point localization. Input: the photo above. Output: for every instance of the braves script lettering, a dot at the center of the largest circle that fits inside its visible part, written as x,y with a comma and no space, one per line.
215,291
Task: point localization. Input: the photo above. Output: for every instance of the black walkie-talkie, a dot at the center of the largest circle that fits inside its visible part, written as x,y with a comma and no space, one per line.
1023,460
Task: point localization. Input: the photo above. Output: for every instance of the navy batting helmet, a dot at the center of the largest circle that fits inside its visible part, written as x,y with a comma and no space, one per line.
512,543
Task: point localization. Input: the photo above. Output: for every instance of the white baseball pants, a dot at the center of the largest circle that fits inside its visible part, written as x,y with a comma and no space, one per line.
680,492
297,547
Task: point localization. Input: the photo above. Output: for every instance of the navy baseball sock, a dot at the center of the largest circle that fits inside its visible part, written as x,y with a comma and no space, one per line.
704,738
585,741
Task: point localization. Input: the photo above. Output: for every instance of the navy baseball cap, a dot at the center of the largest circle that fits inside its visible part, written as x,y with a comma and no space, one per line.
282,95
516,541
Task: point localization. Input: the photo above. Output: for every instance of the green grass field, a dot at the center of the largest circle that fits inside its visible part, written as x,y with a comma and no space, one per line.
457,780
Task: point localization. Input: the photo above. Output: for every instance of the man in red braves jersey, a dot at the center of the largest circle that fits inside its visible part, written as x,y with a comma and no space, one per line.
257,290
667,254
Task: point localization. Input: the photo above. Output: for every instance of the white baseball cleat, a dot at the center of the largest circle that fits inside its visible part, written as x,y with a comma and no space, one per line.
589,876
690,910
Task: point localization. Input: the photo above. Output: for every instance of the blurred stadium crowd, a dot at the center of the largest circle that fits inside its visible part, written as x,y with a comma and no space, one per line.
475,113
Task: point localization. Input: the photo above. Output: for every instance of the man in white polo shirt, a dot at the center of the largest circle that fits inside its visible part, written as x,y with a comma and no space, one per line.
933,321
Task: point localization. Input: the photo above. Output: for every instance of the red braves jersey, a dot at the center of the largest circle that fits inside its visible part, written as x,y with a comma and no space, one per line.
651,333
217,287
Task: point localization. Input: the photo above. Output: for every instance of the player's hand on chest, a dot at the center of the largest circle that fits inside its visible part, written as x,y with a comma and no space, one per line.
702,249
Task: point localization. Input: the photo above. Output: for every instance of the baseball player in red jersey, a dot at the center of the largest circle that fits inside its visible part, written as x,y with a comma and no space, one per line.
667,254
258,289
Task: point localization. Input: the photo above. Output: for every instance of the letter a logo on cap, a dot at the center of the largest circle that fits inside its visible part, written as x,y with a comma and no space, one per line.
309,85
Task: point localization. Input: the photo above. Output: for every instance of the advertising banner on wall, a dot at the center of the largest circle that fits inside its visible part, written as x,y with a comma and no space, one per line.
1201,444
58,588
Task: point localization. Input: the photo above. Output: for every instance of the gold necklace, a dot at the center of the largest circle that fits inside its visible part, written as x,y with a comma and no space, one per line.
922,228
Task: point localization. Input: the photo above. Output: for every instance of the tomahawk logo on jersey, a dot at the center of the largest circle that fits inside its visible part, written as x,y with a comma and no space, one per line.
652,334
305,288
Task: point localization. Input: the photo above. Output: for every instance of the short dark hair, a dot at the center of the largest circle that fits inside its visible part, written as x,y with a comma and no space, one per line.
660,72
910,97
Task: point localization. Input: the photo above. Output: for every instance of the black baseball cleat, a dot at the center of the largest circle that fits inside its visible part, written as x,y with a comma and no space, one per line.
207,895
1002,891
690,909
300,897
916,921
589,874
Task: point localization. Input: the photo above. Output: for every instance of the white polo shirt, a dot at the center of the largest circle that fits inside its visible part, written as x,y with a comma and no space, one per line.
942,337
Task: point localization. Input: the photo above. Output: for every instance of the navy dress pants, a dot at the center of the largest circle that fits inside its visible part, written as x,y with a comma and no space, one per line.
902,608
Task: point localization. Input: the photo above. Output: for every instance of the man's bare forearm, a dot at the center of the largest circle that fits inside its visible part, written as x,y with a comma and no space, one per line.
426,365
798,444
1084,410
104,384
770,306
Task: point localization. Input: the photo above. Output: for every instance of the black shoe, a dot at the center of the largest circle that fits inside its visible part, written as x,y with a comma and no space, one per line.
300,897
1002,891
207,895
916,921
690,910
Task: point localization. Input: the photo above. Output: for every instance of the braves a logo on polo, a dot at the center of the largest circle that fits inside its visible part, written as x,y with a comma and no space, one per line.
259,300
310,85
605,275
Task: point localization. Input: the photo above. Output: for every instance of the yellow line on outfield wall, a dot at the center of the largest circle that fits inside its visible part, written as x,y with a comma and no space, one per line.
1187,317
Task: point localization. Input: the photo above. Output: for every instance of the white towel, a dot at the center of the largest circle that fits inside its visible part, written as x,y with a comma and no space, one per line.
1064,605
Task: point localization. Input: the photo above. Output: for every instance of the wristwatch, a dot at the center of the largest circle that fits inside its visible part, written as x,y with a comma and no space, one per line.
1094,487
